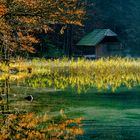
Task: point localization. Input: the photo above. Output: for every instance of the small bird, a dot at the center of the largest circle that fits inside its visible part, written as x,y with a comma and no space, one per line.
29,98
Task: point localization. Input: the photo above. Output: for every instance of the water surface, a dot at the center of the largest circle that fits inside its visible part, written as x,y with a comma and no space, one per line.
106,114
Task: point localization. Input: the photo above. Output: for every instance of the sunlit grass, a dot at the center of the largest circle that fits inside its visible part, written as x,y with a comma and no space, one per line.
81,74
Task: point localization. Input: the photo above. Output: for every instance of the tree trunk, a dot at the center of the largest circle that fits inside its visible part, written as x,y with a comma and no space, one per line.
68,41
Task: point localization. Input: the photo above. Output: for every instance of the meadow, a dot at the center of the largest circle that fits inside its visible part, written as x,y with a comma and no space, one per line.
80,74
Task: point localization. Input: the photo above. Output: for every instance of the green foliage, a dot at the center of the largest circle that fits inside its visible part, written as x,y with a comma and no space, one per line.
51,50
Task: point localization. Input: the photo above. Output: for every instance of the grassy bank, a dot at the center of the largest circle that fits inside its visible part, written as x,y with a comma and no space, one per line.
81,74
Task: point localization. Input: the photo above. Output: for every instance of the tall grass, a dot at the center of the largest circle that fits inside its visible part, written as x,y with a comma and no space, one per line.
109,73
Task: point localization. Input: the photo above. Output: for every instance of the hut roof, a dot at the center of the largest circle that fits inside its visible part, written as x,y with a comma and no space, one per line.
95,37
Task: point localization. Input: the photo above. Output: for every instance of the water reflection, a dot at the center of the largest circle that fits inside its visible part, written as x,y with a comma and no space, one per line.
39,127
31,125
12,98
68,79
65,80
104,109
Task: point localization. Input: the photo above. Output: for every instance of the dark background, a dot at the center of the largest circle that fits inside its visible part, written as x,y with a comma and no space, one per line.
122,16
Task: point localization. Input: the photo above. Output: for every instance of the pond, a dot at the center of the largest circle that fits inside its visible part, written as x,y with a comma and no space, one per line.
105,114
83,99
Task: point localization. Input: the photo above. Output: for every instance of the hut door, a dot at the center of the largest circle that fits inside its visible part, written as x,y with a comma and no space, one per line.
101,51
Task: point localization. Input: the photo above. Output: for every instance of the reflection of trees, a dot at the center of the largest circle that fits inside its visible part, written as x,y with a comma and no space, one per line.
39,127
4,89
31,125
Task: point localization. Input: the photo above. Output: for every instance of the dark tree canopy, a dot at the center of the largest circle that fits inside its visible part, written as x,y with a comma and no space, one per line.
121,16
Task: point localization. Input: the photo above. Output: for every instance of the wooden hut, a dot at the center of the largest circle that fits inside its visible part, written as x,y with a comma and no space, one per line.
99,43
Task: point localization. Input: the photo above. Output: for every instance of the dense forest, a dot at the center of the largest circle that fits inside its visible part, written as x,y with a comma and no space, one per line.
65,30
122,16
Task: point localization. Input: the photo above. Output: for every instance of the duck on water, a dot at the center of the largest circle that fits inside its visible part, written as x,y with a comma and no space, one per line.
29,98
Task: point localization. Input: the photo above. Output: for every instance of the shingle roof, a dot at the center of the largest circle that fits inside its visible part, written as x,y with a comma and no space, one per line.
95,37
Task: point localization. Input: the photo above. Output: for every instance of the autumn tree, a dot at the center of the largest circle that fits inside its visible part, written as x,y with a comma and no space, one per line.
20,19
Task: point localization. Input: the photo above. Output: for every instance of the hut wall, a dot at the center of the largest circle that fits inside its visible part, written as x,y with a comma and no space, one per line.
110,49
115,49
85,50
101,51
